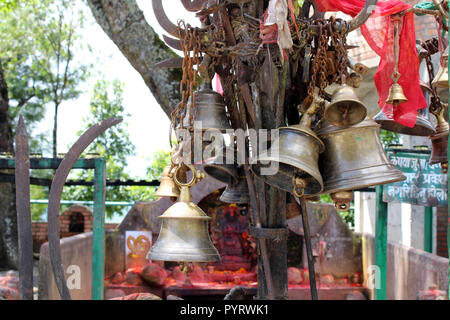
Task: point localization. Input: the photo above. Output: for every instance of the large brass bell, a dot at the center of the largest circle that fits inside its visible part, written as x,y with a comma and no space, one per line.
440,142
167,187
441,79
184,232
396,95
236,192
423,126
345,108
210,110
296,152
354,158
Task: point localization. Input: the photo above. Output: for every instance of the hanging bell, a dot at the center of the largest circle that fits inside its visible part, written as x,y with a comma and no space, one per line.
441,79
345,108
354,158
396,95
184,232
236,192
210,110
440,142
167,187
295,153
423,126
220,170
342,200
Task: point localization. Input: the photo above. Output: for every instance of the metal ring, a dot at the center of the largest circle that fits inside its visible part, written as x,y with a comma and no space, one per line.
190,183
299,195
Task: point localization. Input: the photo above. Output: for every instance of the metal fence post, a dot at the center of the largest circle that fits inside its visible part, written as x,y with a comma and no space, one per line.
428,230
98,232
381,243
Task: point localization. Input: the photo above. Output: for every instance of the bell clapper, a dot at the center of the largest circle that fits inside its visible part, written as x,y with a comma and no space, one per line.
444,167
342,200
299,185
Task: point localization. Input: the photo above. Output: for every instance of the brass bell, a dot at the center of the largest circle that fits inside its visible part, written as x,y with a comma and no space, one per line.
167,187
440,142
441,79
218,169
342,200
296,152
345,108
423,126
354,158
396,95
236,192
184,232
210,111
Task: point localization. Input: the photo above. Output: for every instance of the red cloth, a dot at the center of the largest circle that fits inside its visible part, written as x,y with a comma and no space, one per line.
378,32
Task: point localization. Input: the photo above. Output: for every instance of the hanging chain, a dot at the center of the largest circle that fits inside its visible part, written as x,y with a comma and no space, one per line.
339,41
190,41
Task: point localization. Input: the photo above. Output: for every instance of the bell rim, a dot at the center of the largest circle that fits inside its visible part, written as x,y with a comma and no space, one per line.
172,257
330,129
222,167
391,177
308,131
334,105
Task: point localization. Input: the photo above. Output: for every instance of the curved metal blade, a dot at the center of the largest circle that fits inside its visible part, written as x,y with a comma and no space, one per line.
162,18
174,43
365,13
170,63
54,199
193,5
22,160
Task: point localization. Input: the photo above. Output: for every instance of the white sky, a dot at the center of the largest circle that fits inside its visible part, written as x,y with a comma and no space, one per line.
148,124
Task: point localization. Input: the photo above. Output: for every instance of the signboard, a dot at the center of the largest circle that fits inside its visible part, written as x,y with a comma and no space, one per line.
425,185
138,244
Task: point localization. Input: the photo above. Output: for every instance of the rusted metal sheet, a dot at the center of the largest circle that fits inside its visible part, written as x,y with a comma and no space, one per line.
55,198
22,174
174,43
193,5
163,20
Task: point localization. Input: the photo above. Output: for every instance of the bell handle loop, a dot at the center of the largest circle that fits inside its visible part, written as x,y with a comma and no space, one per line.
299,195
299,184
187,184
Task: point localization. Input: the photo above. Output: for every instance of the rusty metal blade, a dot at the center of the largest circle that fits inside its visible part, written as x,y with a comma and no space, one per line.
174,43
22,172
363,15
193,5
54,199
170,63
162,18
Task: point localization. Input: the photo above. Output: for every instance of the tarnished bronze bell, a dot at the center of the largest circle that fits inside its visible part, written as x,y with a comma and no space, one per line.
441,78
236,192
218,169
354,158
184,232
423,126
440,142
345,109
210,110
396,95
167,187
296,153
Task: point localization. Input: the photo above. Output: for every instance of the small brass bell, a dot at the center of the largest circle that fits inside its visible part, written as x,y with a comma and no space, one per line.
396,95
296,153
354,158
167,187
441,79
210,110
218,169
184,232
342,200
345,108
236,192
423,126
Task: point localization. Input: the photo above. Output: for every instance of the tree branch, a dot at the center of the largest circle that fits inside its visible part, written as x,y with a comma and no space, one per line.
125,24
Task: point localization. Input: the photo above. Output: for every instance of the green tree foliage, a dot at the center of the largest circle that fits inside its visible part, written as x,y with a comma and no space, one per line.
37,49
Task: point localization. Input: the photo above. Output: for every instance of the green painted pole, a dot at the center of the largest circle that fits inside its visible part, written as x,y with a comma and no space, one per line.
428,230
98,232
381,244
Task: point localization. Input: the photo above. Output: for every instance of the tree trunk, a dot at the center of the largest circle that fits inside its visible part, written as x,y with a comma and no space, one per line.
125,24
8,219
55,132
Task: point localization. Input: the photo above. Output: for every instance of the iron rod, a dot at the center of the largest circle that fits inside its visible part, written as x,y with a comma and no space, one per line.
309,254
428,230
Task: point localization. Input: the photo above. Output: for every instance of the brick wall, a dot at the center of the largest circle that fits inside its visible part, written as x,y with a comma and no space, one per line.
75,220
